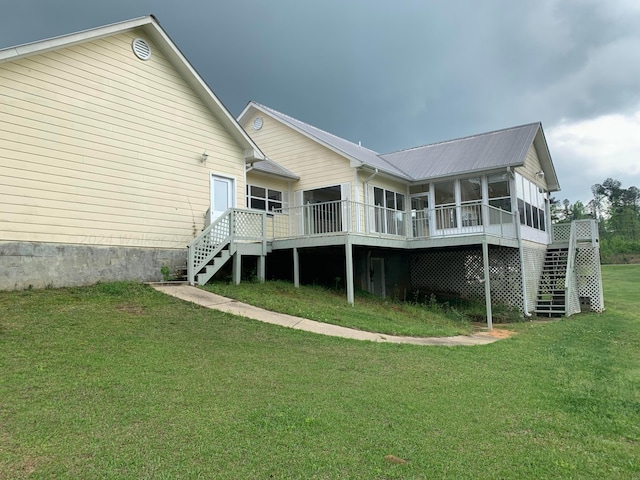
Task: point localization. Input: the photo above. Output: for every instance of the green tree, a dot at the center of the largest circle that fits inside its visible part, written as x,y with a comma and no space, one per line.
620,209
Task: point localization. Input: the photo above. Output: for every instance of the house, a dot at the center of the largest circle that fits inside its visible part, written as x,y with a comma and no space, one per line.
440,218
117,161
114,155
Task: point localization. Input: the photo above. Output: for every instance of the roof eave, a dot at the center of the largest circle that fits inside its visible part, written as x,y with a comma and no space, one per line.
466,173
292,178
540,143
252,152
42,46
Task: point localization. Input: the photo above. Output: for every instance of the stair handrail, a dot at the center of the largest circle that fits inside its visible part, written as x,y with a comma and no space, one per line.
570,275
209,243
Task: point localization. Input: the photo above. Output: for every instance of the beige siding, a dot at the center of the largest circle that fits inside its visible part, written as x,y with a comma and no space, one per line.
99,147
316,165
387,184
266,181
531,167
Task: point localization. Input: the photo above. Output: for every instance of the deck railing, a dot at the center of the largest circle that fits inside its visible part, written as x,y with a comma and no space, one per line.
344,216
583,230
232,226
572,301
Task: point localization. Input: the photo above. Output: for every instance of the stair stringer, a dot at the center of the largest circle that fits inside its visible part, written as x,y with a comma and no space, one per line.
216,263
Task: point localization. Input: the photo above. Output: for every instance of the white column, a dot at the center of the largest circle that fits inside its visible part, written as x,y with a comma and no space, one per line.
262,268
487,283
237,268
296,268
349,268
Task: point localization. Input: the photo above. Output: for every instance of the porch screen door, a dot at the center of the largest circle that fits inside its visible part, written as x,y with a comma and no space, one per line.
221,196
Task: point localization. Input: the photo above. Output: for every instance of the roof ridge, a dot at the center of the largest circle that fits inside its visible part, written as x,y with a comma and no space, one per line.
408,175
467,137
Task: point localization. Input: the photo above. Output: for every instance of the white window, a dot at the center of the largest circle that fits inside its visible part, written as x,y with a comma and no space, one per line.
530,203
389,211
262,198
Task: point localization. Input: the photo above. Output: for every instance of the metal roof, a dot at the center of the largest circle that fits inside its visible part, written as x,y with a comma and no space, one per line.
467,155
270,167
502,148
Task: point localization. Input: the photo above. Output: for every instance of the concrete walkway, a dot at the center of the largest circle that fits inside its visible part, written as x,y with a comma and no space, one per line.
216,302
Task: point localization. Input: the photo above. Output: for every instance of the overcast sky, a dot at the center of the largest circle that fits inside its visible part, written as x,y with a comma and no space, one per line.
397,74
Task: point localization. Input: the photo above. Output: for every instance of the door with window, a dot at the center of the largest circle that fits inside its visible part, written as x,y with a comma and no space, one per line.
221,196
420,215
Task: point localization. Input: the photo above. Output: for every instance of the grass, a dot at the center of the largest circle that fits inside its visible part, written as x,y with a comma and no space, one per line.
119,381
370,313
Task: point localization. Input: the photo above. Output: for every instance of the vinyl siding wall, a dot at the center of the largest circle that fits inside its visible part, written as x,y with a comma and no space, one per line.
316,165
387,184
98,147
266,181
531,167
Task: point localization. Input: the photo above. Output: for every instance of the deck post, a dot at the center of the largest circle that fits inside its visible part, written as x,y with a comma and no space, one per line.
349,268
296,268
190,260
487,283
237,268
261,268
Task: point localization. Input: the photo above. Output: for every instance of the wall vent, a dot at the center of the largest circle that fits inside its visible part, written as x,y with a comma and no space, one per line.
141,48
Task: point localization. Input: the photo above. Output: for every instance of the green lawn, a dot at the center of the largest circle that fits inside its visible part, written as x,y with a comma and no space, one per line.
418,318
119,381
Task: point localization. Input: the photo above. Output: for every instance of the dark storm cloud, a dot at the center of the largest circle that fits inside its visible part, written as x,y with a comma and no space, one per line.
390,74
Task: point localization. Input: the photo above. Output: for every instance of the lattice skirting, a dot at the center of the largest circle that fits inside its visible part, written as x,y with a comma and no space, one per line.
462,272
589,277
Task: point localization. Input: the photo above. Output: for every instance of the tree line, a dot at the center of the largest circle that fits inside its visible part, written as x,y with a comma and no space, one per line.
617,211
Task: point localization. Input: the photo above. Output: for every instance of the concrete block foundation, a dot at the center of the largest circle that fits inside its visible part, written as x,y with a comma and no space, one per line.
41,265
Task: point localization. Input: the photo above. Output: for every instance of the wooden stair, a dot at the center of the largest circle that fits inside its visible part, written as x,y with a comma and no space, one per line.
551,301
215,264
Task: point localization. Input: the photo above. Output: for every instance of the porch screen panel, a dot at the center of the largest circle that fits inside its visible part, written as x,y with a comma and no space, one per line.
471,196
499,191
445,199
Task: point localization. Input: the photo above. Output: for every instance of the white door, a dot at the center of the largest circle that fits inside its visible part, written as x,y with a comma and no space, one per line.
221,196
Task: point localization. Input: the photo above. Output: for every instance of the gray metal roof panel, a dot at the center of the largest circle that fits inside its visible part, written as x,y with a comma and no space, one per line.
476,153
269,166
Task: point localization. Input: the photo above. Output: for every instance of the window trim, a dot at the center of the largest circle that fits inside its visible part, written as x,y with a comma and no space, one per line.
268,202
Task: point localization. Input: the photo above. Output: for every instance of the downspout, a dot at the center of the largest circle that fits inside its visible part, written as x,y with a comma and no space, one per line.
247,169
365,185
514,194
356,203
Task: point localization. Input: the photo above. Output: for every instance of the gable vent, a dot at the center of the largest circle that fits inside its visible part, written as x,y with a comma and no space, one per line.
141,48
